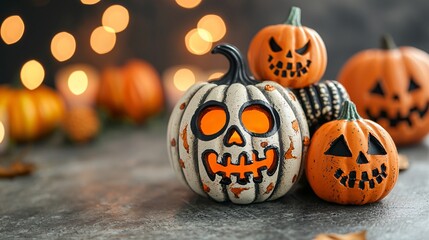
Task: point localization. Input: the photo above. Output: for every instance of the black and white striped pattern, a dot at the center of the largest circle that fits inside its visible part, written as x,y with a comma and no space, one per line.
321,102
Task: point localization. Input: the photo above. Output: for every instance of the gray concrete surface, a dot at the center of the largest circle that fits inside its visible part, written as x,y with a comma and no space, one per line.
121,186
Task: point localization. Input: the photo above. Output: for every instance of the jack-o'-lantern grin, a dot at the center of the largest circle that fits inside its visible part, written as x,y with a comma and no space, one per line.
351,179
394,121
379,91
245,167
286,69
376,152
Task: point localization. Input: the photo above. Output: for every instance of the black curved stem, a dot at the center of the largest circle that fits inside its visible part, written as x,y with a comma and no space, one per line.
237,68
387,42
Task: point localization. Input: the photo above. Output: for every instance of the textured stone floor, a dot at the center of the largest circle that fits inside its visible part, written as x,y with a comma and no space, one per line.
121,186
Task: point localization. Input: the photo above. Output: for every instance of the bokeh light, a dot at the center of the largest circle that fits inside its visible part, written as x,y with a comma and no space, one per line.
89,2
215,75
103,39
2,131
78,82
213,24
63,46
188,3
32,74
12,29
116,17
183,79
196,44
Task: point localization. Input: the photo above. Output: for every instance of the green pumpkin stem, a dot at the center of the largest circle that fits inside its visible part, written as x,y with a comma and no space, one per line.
294,18
237,69
348,112
387,42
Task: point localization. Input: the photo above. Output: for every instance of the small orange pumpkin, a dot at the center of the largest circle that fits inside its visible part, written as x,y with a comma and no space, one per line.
290,54
391,87
133,91
32,113
352,160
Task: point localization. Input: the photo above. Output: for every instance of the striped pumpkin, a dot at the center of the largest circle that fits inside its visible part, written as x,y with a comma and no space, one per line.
237,139
32,113
321,102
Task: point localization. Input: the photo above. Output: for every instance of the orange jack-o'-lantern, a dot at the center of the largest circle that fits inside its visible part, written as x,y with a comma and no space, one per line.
352,160
290,54
236,138
391,86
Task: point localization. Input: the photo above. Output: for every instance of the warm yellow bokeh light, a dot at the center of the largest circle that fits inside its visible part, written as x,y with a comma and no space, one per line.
12,29
215,75
183,79
188,3
103,40
63,46
78,82
32,74
116,17
197,45
2,132
212,24
89,2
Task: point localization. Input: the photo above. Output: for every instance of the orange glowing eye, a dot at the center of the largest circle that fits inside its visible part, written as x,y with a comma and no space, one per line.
212,120
257,119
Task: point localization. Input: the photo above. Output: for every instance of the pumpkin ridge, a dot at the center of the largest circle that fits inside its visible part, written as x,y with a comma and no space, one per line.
321,52
280,152
194,144
176,136
331,94
205,88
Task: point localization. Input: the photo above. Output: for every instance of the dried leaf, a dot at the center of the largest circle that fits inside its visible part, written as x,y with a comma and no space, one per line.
403,162
349,236
17,168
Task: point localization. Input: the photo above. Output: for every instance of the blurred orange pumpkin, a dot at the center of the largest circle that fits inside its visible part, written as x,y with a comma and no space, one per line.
32,113
133,91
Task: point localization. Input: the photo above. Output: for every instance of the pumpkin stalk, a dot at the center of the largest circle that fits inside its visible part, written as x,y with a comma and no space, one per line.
237,68
348,112
294,17
387,42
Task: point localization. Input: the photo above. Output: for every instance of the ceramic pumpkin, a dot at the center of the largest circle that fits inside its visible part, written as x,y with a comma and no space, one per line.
237,139
391,86
133,91
32,113
351,160
290,54
321,102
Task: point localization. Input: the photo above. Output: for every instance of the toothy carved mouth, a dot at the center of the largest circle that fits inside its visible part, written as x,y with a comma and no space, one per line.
350,179
245,167
285,70
398,119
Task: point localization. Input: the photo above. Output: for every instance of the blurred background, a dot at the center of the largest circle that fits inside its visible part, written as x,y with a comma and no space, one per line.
54,41
156,30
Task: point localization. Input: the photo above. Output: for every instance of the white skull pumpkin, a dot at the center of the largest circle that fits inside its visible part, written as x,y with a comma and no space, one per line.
236,138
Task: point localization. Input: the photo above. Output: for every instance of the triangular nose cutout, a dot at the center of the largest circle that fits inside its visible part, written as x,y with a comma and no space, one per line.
234,137
289,54
361,158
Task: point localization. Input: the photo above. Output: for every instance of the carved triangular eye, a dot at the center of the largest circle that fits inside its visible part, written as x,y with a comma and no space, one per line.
304,49
339,148
274,46
378,89
375,147
413,85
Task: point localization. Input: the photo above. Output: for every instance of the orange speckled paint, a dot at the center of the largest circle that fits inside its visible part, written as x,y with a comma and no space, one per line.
352,160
